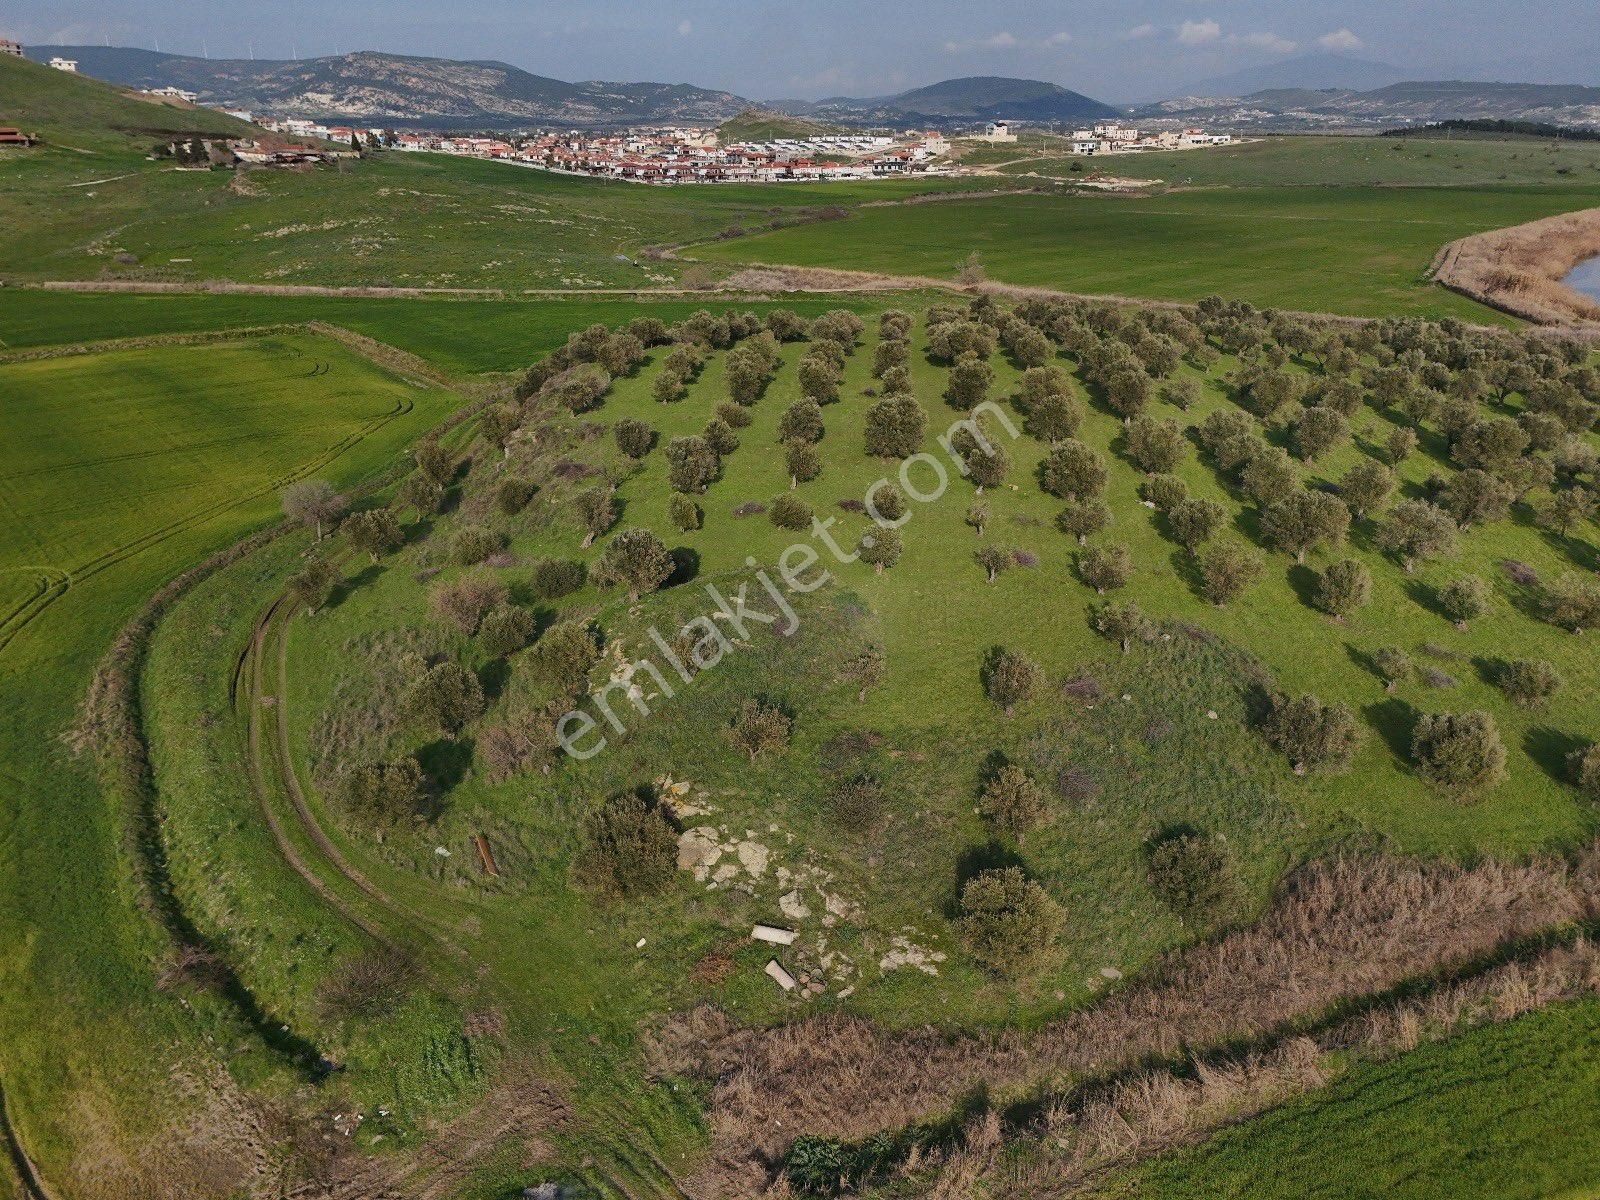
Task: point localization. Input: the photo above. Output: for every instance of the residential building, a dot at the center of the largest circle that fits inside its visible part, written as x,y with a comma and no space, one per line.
14,49
998,131
65,64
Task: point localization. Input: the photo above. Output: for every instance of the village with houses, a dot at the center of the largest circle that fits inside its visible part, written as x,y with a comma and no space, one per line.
667,155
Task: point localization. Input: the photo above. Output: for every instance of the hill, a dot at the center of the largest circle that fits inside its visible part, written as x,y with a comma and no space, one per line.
89,114
762,125
975,98
1304,71
1419,101
402,89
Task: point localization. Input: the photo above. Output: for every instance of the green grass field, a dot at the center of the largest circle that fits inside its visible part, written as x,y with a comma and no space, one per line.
1361,251
122,470
1499,1113
1334,161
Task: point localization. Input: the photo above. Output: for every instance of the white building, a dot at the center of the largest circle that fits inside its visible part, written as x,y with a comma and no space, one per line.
173,93
65,64
998,131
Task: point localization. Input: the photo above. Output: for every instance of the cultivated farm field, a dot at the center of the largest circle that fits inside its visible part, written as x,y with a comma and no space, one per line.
123,469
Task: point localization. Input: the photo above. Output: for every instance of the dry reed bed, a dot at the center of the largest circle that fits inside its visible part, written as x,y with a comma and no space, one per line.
1340,931
1080,1137
1519,269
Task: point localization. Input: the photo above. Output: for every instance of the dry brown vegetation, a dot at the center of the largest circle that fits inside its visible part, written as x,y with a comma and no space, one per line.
1081,1136
1340,931
1520,269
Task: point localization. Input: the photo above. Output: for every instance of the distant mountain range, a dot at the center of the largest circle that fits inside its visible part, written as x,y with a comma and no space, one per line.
1394,104
1313,91
400,89
977,98
1305,71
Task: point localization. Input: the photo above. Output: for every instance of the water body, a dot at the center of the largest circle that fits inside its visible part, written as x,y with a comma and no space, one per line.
1585,277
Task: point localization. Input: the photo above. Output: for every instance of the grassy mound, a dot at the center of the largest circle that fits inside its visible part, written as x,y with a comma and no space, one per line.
848,767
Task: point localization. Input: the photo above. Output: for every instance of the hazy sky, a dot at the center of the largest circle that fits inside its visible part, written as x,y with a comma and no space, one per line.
767,49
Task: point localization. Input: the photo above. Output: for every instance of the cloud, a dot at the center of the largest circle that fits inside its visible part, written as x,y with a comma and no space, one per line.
1006,40
1141,31
1266,41
1340,39
1198,33
685,27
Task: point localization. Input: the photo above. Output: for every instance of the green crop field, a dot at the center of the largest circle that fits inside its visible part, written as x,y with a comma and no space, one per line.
1496,1114
1337,161
122,470
1362,251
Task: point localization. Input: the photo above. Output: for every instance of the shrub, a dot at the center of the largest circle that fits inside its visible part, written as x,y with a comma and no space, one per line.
566,654
634,438
856,802
466,601
634,559
474,543
512,494
1460,752
719,435
1072,471
1106,568
1123,624
1083,519
802,462
375,532
886,502
1416,530
685,513
1009,678
977,516
1573,602
434,463
1401,444
445,697
553,578
1311,734
505,631
1007,921
1011,801
383,792
759,728
695,464
864,671
1465,599
993,560
1193,875
520,743
1585,765
314,504
1195,521
312,585
895,427
629,848
1165,492
1366,487
801,422
880,546
1529,682
1155,446
789,512
1227,569
1344,587
596,509
1053,417
1393,666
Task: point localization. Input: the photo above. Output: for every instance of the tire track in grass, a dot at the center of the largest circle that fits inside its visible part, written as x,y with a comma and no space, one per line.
624,1158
